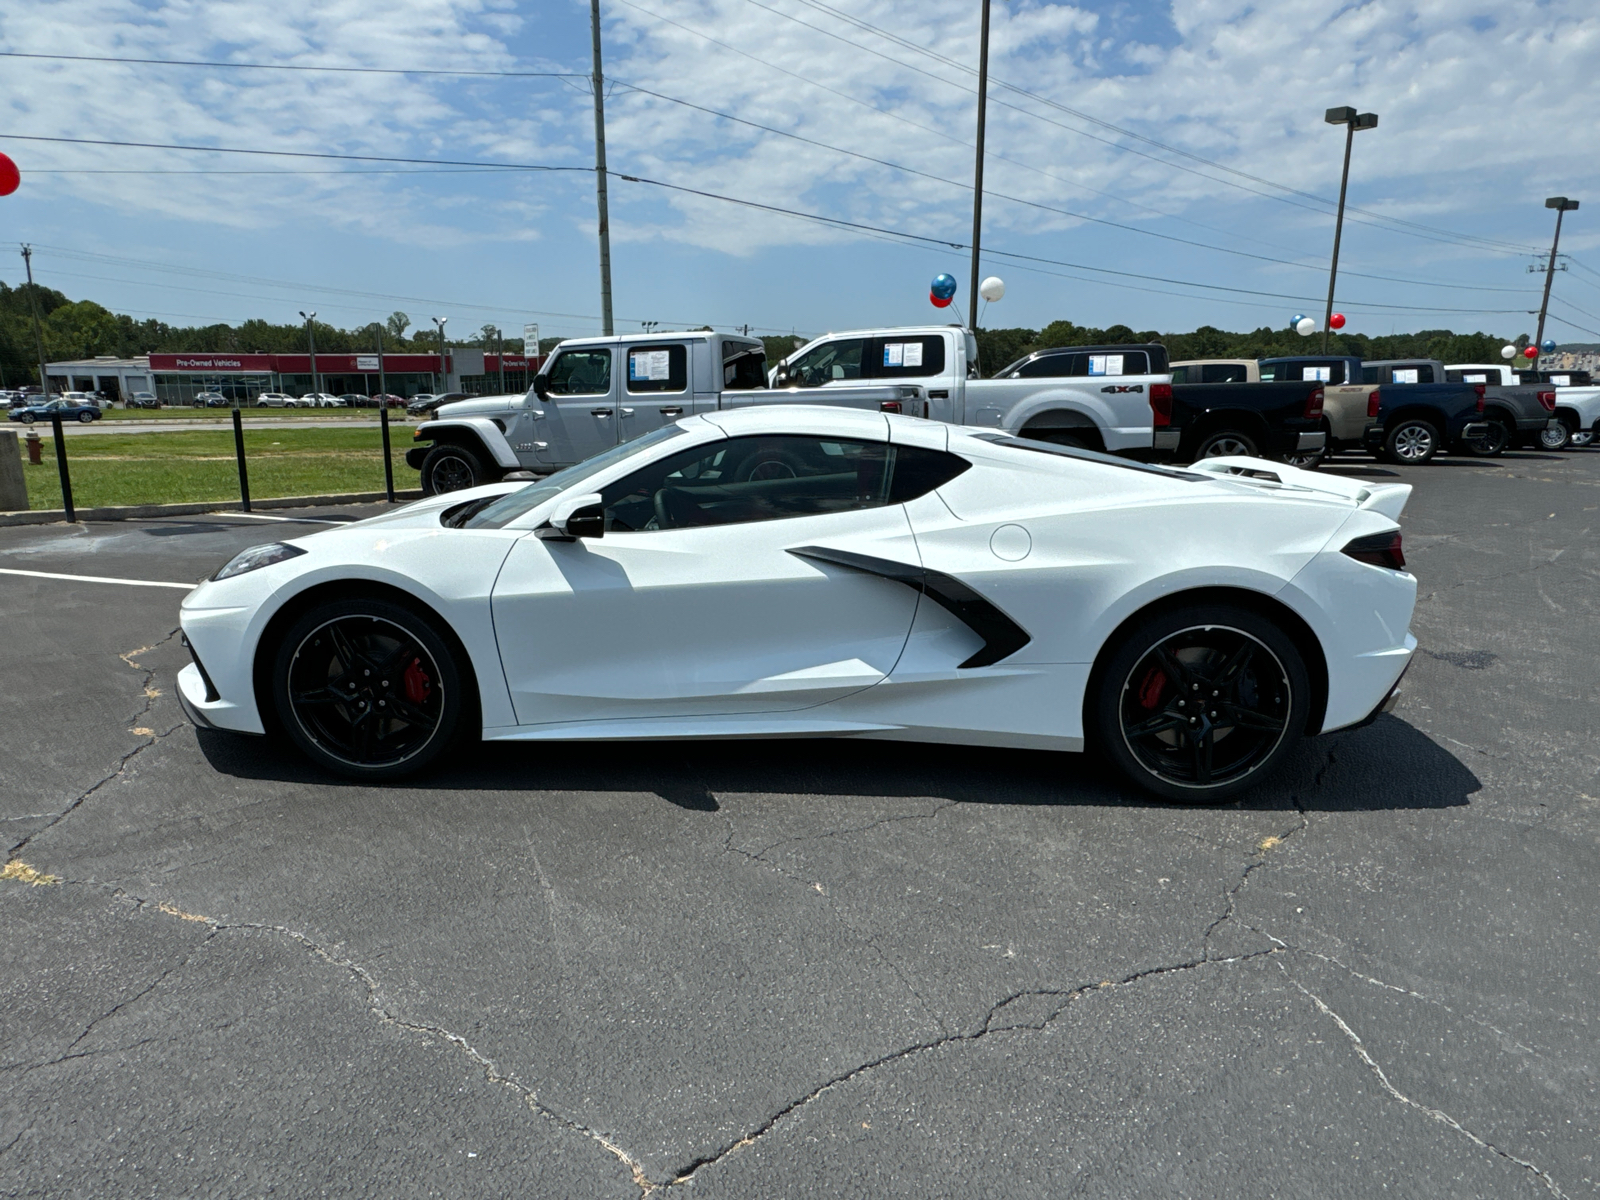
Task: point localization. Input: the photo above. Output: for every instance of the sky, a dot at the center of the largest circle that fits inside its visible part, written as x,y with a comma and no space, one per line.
1163,165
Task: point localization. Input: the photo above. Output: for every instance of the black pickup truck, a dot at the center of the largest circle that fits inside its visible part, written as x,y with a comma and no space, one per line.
1411,422
1264,420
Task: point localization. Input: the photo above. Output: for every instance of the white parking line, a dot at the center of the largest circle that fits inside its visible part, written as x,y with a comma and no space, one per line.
99,579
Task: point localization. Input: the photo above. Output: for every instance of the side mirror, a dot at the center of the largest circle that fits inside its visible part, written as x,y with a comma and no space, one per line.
541,386
577,517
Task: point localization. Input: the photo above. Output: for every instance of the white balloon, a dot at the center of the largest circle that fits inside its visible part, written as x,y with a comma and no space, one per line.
992,288
1508,351
1306,327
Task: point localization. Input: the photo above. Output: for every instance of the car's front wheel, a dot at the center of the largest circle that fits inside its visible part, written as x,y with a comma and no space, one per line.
450,469
1412,442
85,417
1198,704
367,688
1492,444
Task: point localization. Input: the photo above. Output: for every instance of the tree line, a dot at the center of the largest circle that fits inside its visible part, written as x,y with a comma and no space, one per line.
74,329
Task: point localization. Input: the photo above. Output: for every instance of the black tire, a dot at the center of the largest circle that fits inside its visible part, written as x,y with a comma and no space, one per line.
451,468
368,688
1306,460
1145,686
85,417
1226,443
1411,442
1492,444
27,418
1583,437
1556,435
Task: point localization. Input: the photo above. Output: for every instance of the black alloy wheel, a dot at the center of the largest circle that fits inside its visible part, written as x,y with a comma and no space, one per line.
1411,442
1491,444
1198,705
450,469
1556,435
1226,443
367,688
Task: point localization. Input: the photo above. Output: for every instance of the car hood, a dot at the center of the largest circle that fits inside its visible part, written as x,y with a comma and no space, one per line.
481,406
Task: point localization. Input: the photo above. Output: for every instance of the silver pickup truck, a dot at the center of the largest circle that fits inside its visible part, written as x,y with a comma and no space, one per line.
596,392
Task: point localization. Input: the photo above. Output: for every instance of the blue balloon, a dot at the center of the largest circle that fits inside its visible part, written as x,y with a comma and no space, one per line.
944,286
1296,319
1548,345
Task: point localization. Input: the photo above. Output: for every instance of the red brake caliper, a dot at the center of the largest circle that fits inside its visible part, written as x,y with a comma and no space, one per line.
1150,689
418,685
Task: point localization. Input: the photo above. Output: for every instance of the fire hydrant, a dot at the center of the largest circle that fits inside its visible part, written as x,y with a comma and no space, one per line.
35,447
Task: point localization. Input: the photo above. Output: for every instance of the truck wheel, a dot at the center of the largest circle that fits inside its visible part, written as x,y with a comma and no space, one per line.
1307,460
1411,442
1583,437
1555,436
1491,444
450,469
1226,443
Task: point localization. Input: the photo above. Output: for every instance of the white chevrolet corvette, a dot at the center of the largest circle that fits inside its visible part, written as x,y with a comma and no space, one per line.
804,571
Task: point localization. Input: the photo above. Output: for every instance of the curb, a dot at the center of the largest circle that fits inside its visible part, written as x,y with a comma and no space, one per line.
127,512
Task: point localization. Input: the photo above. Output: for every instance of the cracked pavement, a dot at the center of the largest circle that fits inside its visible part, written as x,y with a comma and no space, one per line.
810,968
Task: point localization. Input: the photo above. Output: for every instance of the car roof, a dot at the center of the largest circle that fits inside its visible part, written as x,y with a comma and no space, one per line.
801,419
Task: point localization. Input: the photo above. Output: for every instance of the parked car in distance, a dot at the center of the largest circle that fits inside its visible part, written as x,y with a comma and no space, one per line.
1216,370
355,400
388,400
72,407
320,400
1410,423
422,405
1256,420
210,400
1577,410
276,400
143,400
1517,414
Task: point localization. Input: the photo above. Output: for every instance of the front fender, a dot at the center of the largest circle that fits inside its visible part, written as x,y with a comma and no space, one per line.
488,434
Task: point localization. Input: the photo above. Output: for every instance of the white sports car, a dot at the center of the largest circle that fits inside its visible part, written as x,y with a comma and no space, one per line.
804,571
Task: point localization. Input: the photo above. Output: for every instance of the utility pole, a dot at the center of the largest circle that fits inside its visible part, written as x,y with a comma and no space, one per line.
444,376
599,82
311,344
38,332
500,355
1351,121
1562,206
977,171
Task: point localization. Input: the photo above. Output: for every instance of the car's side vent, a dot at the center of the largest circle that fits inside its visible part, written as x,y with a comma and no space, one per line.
212,695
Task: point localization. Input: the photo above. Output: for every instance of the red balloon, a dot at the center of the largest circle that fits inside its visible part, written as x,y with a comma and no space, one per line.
939,302
1336,321
10,177
1531,352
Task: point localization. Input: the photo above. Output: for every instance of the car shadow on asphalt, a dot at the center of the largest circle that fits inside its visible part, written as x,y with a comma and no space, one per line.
1387,765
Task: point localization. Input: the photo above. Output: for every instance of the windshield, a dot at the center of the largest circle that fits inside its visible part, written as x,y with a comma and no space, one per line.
509,507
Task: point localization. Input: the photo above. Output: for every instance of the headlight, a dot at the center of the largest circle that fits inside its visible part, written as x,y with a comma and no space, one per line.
255,557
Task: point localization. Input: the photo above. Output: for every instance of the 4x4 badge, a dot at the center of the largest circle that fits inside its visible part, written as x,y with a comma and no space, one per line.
1124,387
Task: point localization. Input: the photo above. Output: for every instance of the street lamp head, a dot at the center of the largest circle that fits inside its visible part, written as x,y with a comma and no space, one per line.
1561,203
1339,116
1366,121
309,316
439,321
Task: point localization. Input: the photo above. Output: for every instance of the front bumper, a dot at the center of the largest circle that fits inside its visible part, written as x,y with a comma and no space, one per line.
415,455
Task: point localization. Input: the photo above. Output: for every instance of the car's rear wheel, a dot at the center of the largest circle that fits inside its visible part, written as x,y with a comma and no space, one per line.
85,417
1226,443
367,688
1198,704
1583,437
1412,442
450,469
1491,444
1555,436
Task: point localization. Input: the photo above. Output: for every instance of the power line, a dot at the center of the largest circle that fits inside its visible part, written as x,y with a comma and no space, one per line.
1573,325
253,66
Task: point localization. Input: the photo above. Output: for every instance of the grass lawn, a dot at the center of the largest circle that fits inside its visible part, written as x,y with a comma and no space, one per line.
170,468
225,415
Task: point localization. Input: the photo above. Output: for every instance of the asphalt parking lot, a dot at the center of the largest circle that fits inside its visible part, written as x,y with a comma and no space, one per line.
797,969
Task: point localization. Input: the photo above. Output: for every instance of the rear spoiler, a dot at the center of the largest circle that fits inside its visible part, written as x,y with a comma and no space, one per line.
1386,498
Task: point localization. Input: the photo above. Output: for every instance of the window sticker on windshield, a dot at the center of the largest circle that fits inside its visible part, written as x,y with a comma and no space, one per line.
894,354
1561,380
1320,374
648,364
1405,374
1105,364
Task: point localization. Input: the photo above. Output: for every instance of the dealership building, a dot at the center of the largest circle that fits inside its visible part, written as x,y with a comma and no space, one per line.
178,378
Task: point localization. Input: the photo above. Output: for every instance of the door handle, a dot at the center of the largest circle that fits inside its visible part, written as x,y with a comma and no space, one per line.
675,411
600,412
627,412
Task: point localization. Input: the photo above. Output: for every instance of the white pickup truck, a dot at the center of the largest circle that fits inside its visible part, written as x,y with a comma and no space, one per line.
596,392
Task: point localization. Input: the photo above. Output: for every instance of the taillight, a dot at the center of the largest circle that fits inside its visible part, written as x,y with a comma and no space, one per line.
1314,405
1161,403
1548,399
1379,549
1480,389
1372,404
889,406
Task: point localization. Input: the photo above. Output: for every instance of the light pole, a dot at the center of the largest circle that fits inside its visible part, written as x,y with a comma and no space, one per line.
38,334
311,341
1562,206
599,82
977,170
444,379
1351,121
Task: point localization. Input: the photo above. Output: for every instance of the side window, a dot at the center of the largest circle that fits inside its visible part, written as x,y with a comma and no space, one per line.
902,358
1180,374
827,362
658,368
750,479
581,373
1369,374
745,372
916,471
1131,362
1223,373
1053,366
